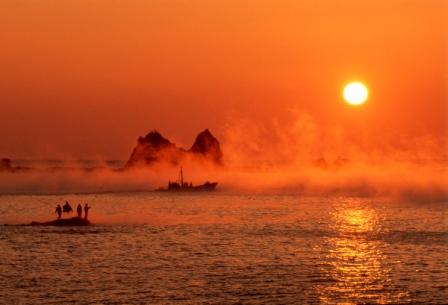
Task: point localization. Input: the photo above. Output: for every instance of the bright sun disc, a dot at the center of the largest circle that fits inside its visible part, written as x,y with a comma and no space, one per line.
355,93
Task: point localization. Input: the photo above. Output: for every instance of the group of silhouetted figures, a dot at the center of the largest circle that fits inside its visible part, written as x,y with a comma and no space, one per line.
67,208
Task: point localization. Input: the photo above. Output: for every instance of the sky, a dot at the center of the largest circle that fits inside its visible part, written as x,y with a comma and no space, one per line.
85,78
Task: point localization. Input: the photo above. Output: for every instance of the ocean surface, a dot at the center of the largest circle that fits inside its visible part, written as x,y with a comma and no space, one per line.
225,248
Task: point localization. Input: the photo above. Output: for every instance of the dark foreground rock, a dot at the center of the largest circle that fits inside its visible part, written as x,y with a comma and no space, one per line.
74,221
154,148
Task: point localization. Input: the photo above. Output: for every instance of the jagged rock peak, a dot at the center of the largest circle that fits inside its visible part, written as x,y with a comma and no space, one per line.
155,139
5,164
154,148
206,144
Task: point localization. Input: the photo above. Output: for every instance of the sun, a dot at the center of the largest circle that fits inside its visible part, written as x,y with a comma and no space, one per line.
355,93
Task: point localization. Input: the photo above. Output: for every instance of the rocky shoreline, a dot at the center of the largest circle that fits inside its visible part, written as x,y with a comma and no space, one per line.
74,221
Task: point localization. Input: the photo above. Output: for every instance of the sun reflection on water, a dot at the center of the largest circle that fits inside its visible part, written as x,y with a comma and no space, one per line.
356,220
355,260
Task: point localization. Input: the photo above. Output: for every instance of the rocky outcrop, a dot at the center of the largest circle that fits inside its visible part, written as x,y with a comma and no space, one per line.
74,221
154,148
207,146
5,164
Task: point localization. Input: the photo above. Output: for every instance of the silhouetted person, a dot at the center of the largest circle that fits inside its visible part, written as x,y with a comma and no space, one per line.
86,210
67,208
59,211
79,210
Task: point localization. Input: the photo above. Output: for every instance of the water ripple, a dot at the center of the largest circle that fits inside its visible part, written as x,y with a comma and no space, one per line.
226,250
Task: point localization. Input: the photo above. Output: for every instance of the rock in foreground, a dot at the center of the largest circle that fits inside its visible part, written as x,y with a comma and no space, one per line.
74,221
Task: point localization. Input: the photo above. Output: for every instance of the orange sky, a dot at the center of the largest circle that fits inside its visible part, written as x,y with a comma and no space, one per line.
85,78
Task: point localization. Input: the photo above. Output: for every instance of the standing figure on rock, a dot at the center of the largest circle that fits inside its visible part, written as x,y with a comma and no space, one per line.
79,210
86,210
59,211
67,208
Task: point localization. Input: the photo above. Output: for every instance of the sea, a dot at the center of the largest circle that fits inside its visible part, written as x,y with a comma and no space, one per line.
224,248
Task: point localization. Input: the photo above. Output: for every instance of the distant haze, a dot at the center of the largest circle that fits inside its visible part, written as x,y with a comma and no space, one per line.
84,79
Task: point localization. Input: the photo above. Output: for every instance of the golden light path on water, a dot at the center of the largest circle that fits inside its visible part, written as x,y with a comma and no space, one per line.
152,248
356,259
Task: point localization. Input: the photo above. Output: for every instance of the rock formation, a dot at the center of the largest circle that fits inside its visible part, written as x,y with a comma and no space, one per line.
207,146
74,221
5,165
154,148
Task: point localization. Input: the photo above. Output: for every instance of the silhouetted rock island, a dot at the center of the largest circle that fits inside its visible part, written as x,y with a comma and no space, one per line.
154,148
74,221
7,166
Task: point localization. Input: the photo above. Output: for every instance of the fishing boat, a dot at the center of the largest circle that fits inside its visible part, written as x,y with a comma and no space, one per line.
181,186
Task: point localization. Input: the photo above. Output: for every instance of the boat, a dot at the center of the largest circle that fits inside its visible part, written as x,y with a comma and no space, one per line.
181,186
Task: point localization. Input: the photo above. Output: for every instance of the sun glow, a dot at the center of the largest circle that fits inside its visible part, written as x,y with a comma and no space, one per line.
355,93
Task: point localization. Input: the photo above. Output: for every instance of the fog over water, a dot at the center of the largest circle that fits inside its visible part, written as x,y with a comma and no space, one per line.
317,201
296,156
296,220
